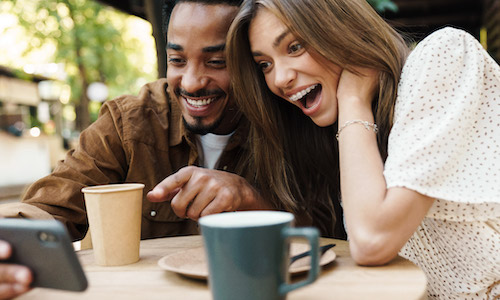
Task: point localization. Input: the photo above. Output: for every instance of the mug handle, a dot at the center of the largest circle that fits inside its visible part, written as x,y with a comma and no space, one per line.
312,235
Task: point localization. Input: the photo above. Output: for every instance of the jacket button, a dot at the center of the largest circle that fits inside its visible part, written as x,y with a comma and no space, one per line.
152,213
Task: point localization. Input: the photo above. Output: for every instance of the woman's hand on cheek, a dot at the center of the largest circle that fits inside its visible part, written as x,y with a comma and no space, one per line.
357,89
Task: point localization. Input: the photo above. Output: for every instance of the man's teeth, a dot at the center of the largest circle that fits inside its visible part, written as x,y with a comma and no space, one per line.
200,102
302,93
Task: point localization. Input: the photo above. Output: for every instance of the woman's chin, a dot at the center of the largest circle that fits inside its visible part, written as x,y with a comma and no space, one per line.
324,120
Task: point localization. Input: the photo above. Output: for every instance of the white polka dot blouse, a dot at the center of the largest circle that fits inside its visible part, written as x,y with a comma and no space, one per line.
445,143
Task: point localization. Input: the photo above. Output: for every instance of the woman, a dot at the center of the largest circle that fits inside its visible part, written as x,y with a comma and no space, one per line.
418,133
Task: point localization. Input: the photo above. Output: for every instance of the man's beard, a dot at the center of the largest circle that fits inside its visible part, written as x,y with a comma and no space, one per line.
197,126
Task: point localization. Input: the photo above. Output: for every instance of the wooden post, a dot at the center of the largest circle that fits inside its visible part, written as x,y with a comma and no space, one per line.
153,14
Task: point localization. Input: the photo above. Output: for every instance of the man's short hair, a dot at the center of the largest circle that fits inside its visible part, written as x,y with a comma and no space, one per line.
169,5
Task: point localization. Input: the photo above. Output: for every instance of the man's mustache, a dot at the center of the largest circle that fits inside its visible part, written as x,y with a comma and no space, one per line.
199,93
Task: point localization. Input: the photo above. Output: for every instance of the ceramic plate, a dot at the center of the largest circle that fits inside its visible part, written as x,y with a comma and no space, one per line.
192,263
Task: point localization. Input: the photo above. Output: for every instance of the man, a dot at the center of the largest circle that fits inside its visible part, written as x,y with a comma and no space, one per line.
199,82
149,137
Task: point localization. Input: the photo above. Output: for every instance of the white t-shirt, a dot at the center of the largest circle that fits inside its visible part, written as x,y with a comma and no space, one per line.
211,147
445,143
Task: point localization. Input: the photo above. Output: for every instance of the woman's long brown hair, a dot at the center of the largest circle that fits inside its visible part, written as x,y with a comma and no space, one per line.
292,155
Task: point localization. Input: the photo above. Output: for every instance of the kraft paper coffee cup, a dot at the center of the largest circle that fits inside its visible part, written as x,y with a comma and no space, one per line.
114,213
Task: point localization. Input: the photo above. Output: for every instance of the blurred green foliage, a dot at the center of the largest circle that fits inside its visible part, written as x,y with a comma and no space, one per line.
88,39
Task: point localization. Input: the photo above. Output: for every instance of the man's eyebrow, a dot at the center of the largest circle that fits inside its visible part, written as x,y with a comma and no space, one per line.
280,38
174,47
212,49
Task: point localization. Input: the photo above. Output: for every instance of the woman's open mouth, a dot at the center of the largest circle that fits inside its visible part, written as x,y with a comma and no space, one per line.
307,97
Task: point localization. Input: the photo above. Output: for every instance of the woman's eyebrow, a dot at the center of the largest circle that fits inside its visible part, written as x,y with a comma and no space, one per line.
257,53
276,42
280,38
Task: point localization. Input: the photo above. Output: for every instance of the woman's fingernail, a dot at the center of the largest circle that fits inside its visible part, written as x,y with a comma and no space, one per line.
22,276
4,249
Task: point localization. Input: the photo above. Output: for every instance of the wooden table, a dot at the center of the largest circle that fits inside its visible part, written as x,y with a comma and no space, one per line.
342,279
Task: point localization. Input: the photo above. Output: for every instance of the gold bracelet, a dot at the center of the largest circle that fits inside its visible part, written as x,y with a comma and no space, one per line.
367,125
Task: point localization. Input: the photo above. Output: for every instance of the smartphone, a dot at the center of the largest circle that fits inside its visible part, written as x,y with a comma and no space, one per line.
44,246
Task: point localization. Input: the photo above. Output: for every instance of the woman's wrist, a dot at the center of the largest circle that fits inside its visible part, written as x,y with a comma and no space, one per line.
368,126
354,109
354,104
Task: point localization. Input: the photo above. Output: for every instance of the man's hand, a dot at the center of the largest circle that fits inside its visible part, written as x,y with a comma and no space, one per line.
14,279
195,192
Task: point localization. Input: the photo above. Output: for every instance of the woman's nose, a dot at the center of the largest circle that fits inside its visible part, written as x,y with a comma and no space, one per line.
284,76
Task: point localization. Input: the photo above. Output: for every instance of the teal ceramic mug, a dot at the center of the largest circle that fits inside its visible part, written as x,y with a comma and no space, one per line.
248,254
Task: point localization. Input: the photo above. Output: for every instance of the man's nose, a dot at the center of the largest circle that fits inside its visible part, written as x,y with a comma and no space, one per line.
193,80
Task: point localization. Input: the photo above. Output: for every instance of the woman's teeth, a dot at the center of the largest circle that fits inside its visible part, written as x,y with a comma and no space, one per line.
200,102
302,93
